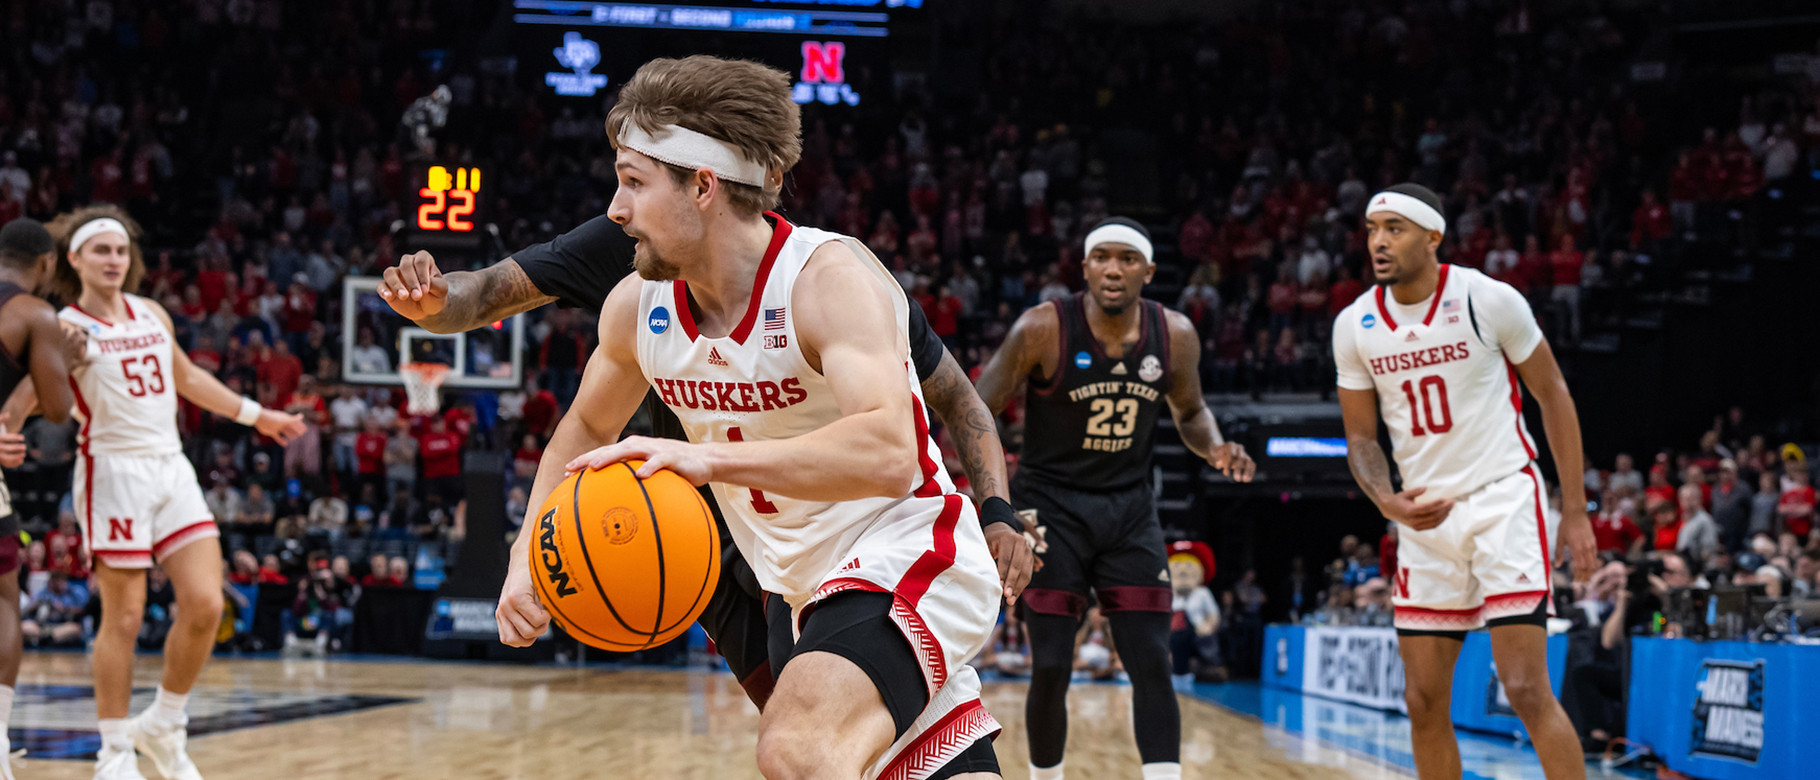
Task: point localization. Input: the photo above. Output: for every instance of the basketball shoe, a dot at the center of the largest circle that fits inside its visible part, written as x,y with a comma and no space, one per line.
164,743
117,763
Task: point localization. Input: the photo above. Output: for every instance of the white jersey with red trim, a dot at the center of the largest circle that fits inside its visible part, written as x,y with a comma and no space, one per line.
754,384
1445,373
126,397
926,547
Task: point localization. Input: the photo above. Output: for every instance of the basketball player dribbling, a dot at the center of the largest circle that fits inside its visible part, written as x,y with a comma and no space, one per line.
136,494
1099,367
31,346
1437,349
812,435
578,269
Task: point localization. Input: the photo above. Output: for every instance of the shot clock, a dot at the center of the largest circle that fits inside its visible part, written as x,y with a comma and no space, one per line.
447,198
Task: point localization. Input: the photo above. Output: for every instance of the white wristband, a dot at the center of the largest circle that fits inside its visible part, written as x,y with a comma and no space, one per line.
249,412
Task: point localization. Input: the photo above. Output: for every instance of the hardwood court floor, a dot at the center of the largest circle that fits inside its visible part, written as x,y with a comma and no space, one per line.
480,722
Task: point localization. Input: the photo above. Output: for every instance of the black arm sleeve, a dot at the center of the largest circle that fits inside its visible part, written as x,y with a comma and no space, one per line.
582,266
925,347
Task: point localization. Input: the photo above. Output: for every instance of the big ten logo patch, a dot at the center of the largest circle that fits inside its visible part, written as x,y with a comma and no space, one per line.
777,340
1728,710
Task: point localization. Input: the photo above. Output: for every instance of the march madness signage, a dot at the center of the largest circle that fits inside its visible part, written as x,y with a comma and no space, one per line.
1359,665
1728,710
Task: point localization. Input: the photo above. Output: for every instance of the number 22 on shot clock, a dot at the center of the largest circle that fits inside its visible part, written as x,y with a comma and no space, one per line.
449,198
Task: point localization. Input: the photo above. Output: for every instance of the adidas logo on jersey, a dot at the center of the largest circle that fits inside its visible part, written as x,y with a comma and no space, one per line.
1522,578
1163,575
1411,337
851,565
714,358
1118,369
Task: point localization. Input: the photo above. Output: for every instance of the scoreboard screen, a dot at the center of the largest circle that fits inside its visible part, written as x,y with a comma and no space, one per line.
580,49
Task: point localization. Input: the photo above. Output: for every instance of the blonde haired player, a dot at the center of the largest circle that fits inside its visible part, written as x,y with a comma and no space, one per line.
811,431
1437,350
135,493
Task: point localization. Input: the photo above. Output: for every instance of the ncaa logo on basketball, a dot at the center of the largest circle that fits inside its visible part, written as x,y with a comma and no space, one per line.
660,320
1082,360
552,558
1369,320
620,525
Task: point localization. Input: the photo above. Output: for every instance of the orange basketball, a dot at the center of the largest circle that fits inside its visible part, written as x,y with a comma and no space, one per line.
625,564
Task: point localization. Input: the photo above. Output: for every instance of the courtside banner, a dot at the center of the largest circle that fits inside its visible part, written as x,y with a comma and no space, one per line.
1726,710
1353,664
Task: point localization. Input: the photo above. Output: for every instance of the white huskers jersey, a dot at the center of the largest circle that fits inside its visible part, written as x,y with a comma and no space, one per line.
1445,372
925,547
126,396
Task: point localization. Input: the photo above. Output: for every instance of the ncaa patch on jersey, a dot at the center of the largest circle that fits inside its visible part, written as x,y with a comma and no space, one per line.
660,320
1369,320
1082,359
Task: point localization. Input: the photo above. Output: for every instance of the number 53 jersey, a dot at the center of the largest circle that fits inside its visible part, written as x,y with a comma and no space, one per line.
1446,377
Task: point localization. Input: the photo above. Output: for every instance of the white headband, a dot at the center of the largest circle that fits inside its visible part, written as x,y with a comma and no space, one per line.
1410,208
95,227
686,148
1116,233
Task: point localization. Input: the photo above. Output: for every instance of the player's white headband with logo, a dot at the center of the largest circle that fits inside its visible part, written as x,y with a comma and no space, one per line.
685,148
1116,233
95,227
1412,209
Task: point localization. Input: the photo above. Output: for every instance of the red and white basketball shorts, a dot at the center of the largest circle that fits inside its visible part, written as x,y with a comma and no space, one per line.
947,597
135,507
1489,560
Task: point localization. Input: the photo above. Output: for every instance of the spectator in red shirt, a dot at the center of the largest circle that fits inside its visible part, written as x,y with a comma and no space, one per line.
1532,267
1345,290
1282,299
279,371
1649,224
528,456
540,410
1666,524
1564,265
946,317
269,573
246,568
1613,529
1195,236
440,452
299,311
1658,488
1797,506
369,454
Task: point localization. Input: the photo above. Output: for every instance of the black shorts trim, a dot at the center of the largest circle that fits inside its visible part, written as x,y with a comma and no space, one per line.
857,625
1457,636
978,757
1532,619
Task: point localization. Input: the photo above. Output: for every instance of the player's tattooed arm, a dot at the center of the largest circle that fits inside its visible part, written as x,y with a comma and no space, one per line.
1193,420
1359,410
1036,333
970,426
460,301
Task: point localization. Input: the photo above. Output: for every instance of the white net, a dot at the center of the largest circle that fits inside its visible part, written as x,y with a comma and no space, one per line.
423,386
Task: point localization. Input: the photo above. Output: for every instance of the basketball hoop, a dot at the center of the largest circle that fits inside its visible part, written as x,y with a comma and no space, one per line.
423,385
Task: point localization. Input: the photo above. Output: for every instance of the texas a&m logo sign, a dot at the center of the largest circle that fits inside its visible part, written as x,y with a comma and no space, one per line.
824,79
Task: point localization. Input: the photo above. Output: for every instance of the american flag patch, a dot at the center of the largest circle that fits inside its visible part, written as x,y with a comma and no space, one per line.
774,319
1450,305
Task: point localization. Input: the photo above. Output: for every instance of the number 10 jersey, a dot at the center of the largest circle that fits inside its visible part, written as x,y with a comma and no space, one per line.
1445,373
